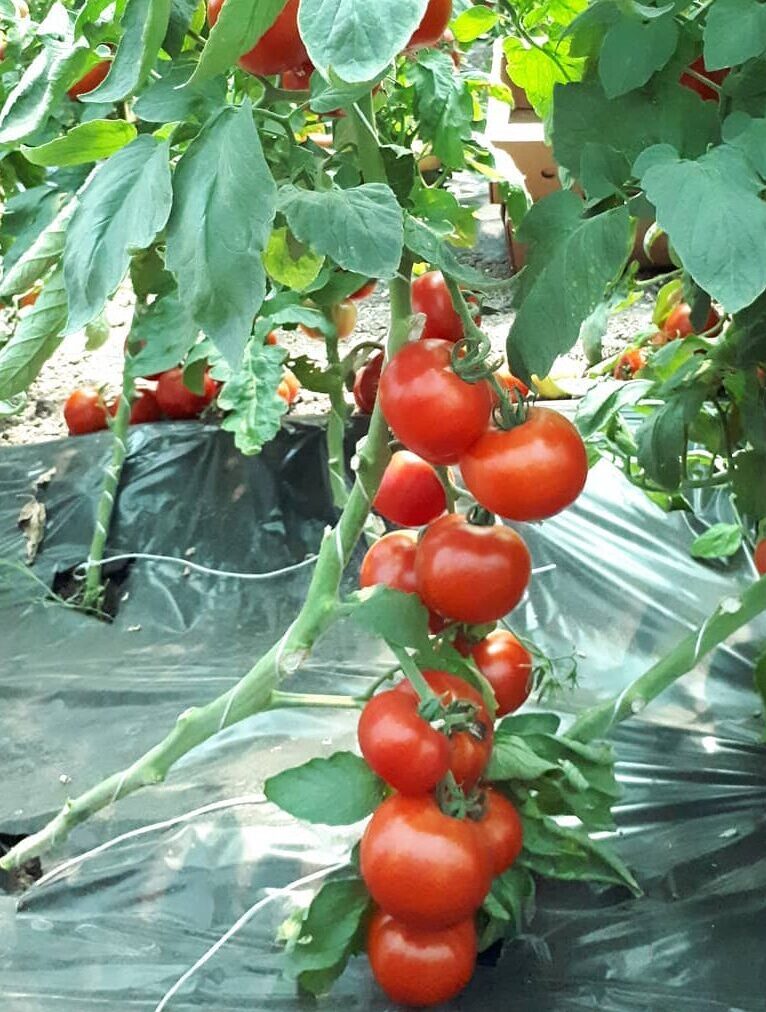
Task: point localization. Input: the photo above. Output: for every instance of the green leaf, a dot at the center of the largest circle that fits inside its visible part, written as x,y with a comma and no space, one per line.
42,86
313,377
359,229
538,72
332,931
167,101
749,483
720,542
606,399
572,263
327,96
240,25
44,252
430,247
748,134
661,439
123,207
472,23
87,142
443,107
144,23
358,40
37,337
164,332
508,908
530,723
603,172
181,14
398,618
289,262
513,759
759,677
220,225
337,791
718,194
633,50
249,396
735,31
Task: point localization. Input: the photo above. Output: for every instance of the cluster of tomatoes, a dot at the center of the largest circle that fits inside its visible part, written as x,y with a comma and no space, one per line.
675,325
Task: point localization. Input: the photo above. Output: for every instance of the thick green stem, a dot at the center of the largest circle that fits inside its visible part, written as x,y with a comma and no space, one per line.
312,700
336,430
731,614
412,673
93,590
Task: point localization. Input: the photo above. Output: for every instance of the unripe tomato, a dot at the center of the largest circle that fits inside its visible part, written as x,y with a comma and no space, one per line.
431,28
298,79
422,866
367,382
716,76
345,316
281,47
471,573
293,384
391,562
502,830
85,411
143,410
400,746
530,472
420,966
760,557
365,291
507,666
429,408
431,297
177,401
679,322
410,493
91,80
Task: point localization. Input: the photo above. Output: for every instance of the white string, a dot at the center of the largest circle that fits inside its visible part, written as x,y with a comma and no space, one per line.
201,569
240,923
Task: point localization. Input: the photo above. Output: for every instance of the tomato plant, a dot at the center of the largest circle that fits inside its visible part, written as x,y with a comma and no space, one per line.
411,493
507,665
281,47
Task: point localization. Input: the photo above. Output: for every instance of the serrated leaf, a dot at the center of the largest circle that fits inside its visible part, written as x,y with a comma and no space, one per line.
606,399
443,106
360,229
181,14
42,86
735,31
37,337
337,791
358,40
398,618
44,252
144,24
720,542
167,101
121,210
430,247
87,142
220,225
240,24
633,50
538,72
290,263
471,23
249,396
313,377
166,331
513,759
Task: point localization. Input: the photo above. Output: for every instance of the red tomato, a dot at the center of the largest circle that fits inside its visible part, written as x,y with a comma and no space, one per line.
530,472
391,562
143,410
507,666
422,866
506,379
293,384
364,292
410,493
91,80
281,47
177,401
502,830
431,28
298,79
271,338
431,296
85,411
760,557
430,409
629,363
470,573
469,750
29,298
679,323
401,747
367,382
420,966
716,76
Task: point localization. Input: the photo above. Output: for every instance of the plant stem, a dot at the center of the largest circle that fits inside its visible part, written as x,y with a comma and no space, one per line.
730,615
450,491
412,673
336,429
314,700
94,590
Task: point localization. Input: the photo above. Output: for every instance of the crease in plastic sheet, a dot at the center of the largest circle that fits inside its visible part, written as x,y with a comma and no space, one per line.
169,870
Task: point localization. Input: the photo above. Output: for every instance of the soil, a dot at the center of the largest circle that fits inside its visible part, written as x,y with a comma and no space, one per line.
72,366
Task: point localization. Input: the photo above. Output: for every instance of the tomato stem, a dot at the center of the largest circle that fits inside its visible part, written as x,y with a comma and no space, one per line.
314,700
413,674
336,428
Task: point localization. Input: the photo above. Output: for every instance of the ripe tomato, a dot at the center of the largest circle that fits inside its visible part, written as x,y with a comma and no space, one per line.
365,291
431,28
629,363
271,338
420,966
502,830
507,666
431,296
298,79
410,493
143,410
422,866
760,557
470,573
430,409
292,383
506,379
469,750
716,76
367,382
679,323
281,47
29,298
400,746
530,472
91,80
84,411
391,562
177,401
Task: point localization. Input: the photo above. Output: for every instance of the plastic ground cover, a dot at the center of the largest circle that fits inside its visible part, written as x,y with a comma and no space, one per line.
169,870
